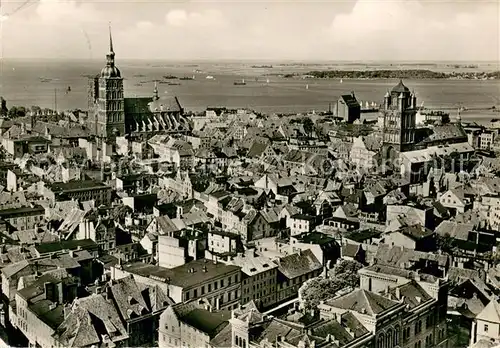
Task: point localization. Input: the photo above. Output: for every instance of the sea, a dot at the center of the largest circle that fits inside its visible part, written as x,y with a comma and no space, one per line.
49,83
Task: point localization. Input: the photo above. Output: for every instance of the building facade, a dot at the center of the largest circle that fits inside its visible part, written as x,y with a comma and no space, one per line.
399,114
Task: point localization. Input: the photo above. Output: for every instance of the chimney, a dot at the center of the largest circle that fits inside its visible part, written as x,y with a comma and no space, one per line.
398,293
338,317
108,294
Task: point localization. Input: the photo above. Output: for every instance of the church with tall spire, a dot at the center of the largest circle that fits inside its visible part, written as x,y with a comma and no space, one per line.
111,114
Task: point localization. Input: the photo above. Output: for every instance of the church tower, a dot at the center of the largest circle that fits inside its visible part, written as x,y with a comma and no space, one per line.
107,98
399,113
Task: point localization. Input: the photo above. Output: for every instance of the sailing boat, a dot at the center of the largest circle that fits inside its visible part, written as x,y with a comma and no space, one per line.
307,86
341,81
267,81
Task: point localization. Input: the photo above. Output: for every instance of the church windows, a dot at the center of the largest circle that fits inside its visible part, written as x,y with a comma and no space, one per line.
388,339
396,335
381,341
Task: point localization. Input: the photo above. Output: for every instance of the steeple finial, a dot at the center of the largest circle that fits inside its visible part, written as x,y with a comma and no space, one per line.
110,39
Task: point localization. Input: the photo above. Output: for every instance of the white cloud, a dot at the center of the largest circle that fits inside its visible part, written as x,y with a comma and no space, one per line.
207,18
145,25
177,18
408,30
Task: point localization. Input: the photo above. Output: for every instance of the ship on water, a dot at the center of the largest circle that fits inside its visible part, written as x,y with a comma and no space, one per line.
187,78
209,77
240,83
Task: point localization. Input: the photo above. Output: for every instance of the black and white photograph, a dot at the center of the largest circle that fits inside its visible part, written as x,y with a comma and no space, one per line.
250,173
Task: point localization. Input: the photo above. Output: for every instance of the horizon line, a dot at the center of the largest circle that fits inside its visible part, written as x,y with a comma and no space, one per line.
263,60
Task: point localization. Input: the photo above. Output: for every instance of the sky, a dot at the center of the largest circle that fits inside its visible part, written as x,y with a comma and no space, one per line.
359,30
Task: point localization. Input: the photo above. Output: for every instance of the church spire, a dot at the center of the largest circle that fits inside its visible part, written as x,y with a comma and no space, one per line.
111,54
110,40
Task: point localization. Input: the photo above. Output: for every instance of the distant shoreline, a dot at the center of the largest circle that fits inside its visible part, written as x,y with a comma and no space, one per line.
413,74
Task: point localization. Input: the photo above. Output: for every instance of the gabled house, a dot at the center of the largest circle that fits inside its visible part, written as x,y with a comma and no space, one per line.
91,321
180,325
293,271
139,308
259,150
415,237
457,200
486,325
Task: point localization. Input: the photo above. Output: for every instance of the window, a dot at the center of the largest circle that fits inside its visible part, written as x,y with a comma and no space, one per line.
381,341
195,293
203,290
418,327
396,335
485,327
388,339
406,333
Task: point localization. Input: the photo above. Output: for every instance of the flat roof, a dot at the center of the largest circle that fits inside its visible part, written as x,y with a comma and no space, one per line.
77,185
203,270
65,244
22,210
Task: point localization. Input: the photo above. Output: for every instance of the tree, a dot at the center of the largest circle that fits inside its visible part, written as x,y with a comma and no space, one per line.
308,125
3,107
444,243
318,289
17,111
343,275
347,271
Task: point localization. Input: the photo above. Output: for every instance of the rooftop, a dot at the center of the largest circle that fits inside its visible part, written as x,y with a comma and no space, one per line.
190,274
206,321
77,185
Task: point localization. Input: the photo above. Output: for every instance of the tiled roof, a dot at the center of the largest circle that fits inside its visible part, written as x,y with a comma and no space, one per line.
165,225
277,328
90,319
397,256
206,321
350,100
165,104
129,299
296,265
363,301
412,294
257,149
454,229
